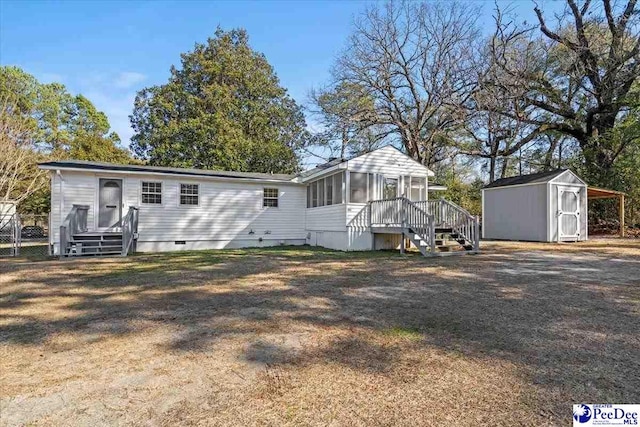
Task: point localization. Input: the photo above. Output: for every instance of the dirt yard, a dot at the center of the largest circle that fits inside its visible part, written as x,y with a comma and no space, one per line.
289,336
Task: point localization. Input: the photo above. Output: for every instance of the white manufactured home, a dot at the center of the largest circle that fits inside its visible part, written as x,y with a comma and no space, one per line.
378,200
542,207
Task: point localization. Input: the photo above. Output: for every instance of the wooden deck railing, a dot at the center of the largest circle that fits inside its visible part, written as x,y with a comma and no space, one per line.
402,213
387,212
424,216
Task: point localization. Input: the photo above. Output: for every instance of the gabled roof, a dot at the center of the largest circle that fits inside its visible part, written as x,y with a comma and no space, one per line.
335,164
535,178
321,167
101,166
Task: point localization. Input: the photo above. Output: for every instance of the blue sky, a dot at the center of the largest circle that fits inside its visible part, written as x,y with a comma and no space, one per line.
109,50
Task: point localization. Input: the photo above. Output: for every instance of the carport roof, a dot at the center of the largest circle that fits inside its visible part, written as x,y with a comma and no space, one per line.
534,178
602,193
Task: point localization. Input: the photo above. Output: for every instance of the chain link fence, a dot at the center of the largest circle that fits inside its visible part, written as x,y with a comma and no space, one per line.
34,235
9,234
25,235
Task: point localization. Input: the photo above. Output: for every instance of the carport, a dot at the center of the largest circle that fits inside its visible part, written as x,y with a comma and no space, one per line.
594,193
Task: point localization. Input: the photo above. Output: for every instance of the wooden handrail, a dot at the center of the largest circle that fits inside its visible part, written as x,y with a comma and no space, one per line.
75,222
402,213
426,216
129,230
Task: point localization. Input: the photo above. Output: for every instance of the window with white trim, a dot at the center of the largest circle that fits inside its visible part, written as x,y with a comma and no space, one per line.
189,194
270,197
151,193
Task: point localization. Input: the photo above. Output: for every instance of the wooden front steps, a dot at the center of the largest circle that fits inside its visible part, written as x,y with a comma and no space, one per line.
446,242
95,244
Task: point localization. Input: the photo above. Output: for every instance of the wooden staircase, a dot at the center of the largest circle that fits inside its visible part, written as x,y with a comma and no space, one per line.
95,244
436,228
446,242
77,240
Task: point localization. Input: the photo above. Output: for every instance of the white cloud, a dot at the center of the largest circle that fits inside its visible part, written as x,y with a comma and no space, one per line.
117,107
128,79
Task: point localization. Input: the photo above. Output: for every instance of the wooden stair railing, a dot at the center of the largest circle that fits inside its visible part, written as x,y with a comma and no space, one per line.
75,222
129,230
404,214
421,220
449,215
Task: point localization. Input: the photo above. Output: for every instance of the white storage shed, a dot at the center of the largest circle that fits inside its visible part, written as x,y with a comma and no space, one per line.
542,207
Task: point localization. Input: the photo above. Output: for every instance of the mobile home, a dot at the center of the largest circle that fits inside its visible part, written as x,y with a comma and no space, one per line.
373,201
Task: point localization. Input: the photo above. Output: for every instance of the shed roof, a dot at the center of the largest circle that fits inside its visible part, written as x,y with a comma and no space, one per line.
81,164
534,178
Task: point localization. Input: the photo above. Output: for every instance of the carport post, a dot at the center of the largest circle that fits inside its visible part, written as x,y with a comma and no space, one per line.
621,213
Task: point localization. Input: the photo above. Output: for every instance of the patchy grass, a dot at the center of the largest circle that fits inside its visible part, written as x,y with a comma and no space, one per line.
290,336
407,333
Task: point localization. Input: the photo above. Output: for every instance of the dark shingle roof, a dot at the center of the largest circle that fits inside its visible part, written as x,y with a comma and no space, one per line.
526,179
81,164
331,162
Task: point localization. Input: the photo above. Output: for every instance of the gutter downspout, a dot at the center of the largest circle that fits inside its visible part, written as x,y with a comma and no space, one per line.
61,186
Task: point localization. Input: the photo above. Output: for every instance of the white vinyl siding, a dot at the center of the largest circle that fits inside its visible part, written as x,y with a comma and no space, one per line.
227,211
387,161
327,218
229,214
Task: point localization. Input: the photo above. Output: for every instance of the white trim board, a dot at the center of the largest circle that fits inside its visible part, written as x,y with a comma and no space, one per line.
182,175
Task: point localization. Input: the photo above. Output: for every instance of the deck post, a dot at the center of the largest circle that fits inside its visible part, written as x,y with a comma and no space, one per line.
402,248
621,214
476,232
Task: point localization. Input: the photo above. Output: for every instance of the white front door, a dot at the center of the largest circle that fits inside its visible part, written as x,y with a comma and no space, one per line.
568,213
109,203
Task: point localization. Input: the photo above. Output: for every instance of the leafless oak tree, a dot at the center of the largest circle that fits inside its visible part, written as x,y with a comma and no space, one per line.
415,60
575,77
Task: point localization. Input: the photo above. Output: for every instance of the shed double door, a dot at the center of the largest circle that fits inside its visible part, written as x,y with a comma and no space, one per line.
568,213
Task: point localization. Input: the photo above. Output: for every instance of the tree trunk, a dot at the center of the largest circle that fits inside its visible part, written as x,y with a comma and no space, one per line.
492,169
505,164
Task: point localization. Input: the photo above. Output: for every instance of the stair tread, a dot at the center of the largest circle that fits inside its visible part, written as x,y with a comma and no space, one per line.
96,241
88,234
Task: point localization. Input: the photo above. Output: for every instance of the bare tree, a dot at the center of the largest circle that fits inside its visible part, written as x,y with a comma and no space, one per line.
414,59
347,117
576,78
488,133
19,174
